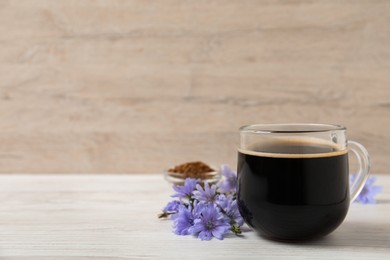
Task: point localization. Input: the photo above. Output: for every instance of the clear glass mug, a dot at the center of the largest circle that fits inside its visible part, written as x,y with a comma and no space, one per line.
293,179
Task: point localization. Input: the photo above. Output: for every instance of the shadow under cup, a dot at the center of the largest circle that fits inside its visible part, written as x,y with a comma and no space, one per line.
293,190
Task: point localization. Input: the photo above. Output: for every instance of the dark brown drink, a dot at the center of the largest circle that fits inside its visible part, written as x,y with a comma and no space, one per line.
293,190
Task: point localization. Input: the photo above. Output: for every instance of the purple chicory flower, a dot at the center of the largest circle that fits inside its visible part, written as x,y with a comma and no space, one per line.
369,191
211,223
183,220
185,190
172,206
203,210
229,207
229,182
206,194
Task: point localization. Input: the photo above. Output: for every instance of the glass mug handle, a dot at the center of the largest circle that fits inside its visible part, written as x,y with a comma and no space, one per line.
364,167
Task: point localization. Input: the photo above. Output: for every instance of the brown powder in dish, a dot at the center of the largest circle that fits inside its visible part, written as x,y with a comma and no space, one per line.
196,169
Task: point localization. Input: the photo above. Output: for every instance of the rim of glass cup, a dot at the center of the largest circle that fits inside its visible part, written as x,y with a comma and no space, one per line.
290,128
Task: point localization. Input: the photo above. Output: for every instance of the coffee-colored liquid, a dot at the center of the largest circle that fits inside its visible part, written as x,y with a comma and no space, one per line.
293,190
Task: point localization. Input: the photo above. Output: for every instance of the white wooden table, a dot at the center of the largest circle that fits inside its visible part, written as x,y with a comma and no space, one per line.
115,217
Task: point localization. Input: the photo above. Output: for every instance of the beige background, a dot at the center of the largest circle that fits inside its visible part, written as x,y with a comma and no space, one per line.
136,86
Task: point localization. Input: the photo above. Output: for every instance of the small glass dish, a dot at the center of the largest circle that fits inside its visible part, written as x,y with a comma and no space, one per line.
176,178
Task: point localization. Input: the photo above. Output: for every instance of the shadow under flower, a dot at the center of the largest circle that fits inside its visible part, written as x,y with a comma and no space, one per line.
383,201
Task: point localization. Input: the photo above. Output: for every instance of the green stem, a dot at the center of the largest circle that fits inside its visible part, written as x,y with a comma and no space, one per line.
236,230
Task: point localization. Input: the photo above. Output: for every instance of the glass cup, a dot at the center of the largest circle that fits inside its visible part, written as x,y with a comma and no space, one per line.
293,179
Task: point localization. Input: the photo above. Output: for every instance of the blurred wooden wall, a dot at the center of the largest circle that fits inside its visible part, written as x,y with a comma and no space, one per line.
137,86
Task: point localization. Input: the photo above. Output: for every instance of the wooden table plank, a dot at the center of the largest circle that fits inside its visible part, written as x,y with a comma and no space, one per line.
114,217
